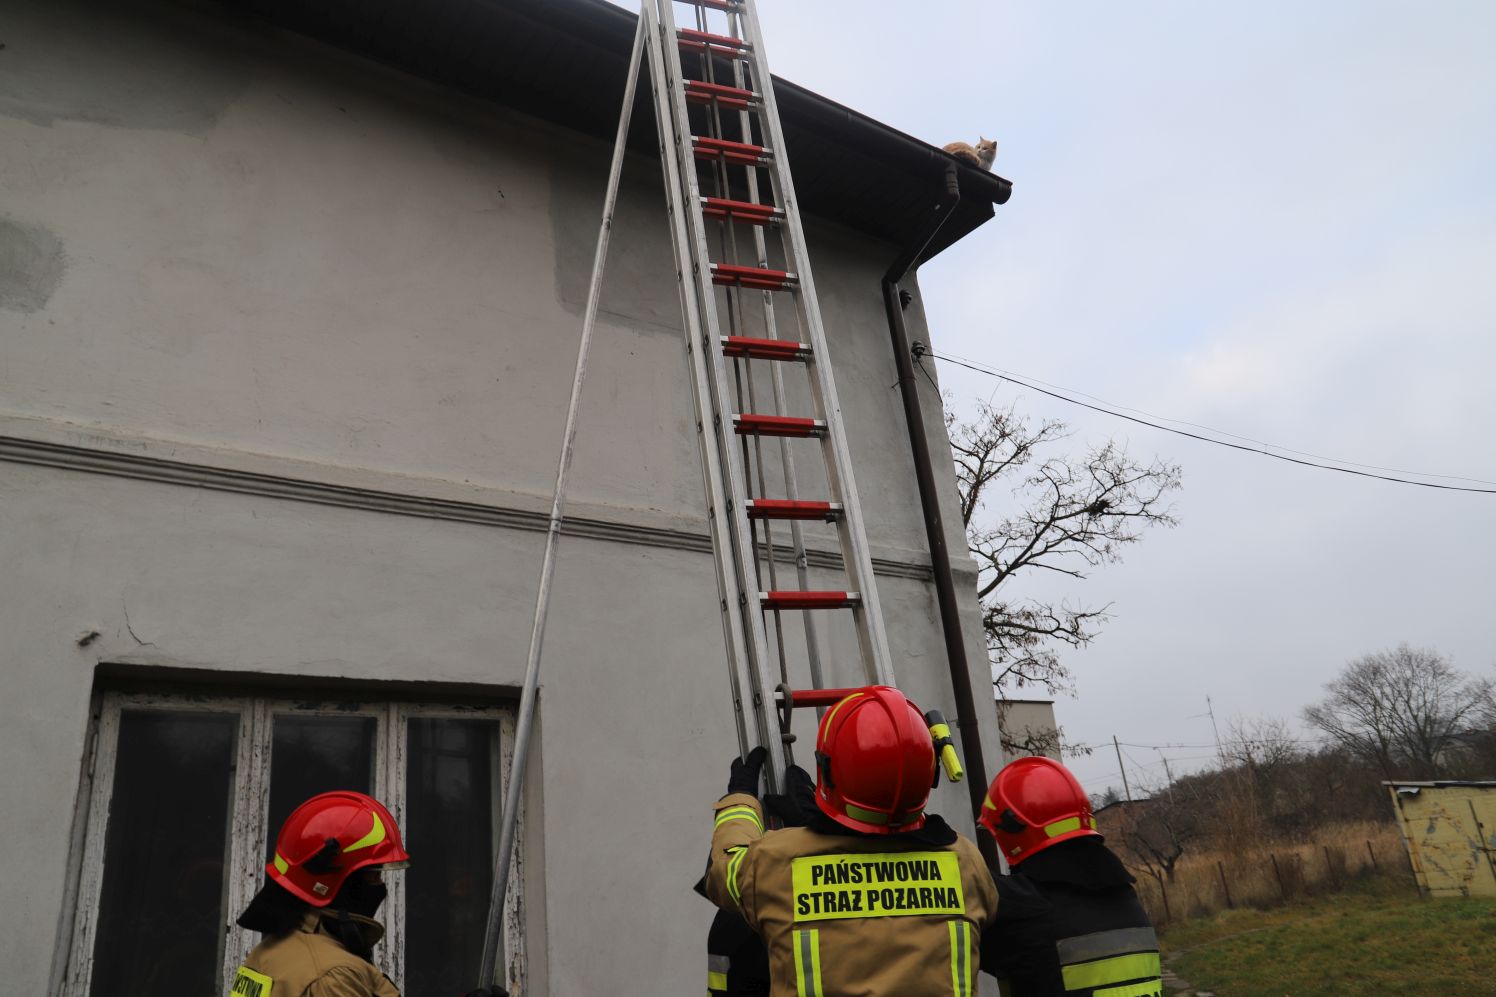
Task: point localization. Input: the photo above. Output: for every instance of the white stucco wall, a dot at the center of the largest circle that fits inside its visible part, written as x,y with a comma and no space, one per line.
285,340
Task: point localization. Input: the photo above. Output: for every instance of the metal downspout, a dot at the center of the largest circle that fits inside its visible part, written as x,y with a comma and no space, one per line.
929,500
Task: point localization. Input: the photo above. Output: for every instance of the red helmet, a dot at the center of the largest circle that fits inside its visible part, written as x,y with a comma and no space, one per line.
1034,803
875,762
329,837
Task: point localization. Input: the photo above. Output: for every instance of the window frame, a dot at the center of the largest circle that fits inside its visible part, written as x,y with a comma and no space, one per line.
249,801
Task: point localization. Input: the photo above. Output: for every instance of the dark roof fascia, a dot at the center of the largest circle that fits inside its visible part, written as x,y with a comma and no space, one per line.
874,138
563,62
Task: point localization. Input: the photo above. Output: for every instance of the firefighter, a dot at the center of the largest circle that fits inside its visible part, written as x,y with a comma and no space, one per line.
873,895
737,963
316,909
1069,923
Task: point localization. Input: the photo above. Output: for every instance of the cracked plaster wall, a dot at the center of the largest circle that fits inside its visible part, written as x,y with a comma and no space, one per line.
219,236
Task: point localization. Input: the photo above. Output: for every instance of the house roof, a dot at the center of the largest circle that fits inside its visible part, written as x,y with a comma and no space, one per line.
565,61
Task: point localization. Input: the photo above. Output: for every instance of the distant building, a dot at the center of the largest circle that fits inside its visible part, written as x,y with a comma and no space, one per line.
1028,728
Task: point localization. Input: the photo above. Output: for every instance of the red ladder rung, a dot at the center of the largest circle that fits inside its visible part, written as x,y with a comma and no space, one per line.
734,152
814,697
705,41
758,278
732,98
744,211
764,349
809,600
750,424
828,512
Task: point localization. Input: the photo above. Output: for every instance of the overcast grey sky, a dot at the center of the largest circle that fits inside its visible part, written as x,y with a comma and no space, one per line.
1277,219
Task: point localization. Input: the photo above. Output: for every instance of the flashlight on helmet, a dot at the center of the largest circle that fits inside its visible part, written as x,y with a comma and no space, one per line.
945,748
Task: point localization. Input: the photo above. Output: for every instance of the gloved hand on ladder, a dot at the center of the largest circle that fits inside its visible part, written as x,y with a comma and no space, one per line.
747,771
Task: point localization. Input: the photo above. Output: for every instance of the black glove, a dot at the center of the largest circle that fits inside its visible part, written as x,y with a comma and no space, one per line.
746,772
800,788
487,992
797,803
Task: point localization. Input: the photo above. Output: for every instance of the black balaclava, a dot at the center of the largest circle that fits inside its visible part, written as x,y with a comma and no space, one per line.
360,896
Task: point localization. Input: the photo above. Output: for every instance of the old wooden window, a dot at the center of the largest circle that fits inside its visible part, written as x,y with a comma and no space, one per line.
185,795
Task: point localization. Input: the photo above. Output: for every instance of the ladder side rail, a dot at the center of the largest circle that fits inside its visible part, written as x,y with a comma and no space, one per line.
856,552
744,368
709,351
515,781
776,376
725,518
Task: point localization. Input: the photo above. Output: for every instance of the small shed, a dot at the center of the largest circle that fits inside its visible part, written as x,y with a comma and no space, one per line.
1449,829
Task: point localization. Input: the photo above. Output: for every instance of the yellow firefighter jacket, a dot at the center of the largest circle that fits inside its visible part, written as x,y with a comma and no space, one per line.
311,962
847,915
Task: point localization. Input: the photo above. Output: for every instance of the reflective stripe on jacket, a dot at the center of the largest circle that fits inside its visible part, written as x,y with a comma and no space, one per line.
1078,931
308,962
853,914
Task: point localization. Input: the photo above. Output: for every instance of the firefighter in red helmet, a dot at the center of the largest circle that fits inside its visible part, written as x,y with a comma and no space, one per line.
873,895
323,886
1069,923
316,910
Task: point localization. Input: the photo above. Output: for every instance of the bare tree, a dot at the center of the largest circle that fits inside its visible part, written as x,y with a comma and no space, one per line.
1074,514
1402,709
1155,833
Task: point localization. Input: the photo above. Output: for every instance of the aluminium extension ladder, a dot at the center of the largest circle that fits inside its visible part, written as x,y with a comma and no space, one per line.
729,193
733,136
736,314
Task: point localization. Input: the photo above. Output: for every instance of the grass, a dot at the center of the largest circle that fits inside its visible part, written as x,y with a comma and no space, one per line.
1375,937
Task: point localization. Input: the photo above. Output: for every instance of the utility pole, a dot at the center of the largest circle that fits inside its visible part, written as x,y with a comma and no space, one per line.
1167,774
1125,790
1210,709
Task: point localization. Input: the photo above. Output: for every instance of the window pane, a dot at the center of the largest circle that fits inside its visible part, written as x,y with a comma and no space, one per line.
452,767
316,754
161,905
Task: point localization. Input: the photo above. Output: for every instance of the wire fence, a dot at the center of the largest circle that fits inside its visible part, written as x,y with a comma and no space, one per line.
1275,874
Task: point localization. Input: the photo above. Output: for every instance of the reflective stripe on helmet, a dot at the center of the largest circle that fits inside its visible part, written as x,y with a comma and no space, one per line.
807,963
375,836
826,723
738,813
871,816
1118,969
281,865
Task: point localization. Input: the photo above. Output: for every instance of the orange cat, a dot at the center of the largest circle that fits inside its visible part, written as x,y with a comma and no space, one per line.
980,155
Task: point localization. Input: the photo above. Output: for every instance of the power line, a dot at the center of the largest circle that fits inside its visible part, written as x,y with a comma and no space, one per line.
997,371
980,369
1246,741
